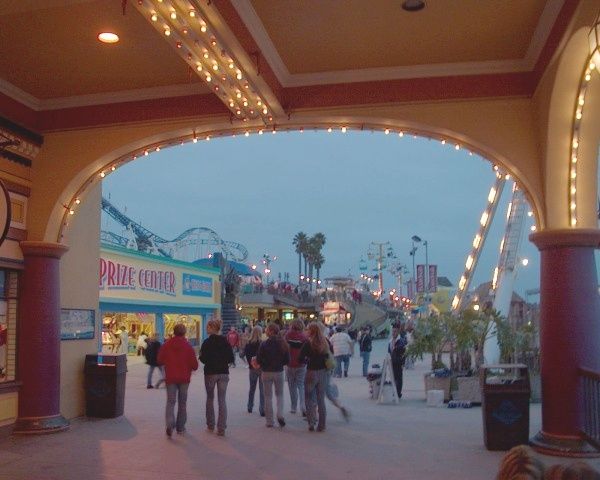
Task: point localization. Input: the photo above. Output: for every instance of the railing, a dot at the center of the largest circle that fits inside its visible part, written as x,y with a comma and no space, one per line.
591,406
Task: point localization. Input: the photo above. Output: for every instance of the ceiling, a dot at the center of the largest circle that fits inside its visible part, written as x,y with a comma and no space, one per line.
286,47
336,35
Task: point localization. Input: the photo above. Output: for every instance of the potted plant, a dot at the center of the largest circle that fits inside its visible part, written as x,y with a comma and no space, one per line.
432,335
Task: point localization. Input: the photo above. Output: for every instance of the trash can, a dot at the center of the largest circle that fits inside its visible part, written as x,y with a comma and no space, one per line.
505,405
374,379
105,385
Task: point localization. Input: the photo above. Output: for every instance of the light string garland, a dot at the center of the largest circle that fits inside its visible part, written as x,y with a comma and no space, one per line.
592,63
190,33
195,137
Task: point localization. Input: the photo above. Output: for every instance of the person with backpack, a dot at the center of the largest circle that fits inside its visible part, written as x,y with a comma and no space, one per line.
295,370
397,351
151,354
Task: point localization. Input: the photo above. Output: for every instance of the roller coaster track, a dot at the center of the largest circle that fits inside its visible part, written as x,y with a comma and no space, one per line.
178,248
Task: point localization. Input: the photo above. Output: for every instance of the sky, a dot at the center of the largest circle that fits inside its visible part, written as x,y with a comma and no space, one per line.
356,188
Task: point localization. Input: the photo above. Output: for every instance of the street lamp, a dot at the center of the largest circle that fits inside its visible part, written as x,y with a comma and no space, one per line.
415,239
267,263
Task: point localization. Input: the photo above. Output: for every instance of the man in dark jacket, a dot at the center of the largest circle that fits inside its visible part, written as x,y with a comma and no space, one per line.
366,344
216,354
397,351
151,354
179,359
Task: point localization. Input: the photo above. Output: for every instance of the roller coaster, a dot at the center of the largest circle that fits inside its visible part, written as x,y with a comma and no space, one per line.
191,245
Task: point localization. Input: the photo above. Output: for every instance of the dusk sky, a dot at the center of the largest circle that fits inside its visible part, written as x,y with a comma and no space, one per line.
356,188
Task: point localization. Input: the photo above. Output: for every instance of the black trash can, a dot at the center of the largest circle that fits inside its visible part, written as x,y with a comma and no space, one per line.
505,394
105,385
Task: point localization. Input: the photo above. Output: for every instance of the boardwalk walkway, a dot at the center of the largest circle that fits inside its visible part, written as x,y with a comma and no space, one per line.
408,441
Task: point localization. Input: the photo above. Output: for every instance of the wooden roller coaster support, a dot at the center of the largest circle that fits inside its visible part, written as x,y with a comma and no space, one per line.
479,240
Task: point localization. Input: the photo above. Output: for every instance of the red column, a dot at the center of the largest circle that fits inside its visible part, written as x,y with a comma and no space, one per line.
39,340
569,335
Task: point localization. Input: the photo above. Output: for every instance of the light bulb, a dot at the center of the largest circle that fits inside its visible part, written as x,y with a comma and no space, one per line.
247,134
199,67
208,78
195,140
173,15
71,212
203,28
154,17
387,131
401,134
343,129
215,67
77,201
102,174
167,32
192,13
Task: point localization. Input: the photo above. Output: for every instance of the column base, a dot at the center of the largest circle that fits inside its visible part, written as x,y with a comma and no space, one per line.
563,446
40,425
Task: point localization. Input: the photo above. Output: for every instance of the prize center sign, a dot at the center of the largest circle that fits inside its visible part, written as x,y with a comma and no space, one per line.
115,275
124,277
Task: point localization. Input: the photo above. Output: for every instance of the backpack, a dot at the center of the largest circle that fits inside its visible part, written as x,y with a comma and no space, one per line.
399,351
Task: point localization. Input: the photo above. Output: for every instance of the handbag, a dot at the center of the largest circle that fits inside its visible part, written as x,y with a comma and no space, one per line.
330,362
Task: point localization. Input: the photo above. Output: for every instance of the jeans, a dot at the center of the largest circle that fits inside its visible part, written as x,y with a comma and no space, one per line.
398,374
365,358
295,378
345,359
254,375
269,379
315,386
151,371
176,392
220,381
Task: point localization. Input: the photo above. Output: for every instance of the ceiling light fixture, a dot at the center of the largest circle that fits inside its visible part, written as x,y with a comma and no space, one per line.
108,37
413,5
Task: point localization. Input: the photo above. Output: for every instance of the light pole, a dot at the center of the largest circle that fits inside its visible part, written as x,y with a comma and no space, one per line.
267,263
415,239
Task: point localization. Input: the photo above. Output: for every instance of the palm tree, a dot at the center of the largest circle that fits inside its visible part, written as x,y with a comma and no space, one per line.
319,261
300,241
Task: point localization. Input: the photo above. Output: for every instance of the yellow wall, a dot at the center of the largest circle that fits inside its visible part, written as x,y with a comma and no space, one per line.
8,408
79,289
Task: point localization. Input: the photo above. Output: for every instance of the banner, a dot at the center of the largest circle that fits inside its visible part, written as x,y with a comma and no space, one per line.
420,278
432,278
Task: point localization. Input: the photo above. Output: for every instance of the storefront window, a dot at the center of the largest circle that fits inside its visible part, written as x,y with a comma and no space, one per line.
8,320
193,324
120,331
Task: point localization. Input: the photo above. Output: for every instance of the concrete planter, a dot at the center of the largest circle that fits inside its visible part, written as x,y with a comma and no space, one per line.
469,389
438,383
535,382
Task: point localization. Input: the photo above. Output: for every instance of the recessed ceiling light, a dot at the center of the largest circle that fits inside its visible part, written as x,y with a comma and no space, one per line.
413,5
108,37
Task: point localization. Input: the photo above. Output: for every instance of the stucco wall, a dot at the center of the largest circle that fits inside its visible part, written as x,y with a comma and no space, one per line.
79,289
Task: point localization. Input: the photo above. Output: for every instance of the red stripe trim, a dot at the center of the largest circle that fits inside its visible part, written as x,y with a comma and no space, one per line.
408,90
556,34
139,111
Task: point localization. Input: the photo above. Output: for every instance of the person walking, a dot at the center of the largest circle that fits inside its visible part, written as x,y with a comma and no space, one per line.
151,354
179,360
397,351
296,371
342,349
273,354
233,338
244,337
216,354
365,347
315,352
250,351
141,344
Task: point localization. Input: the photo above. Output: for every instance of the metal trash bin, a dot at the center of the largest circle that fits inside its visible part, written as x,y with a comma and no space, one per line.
105,385
374,379
505,405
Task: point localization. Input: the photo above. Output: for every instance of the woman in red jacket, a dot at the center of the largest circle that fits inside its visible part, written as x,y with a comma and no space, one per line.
179,359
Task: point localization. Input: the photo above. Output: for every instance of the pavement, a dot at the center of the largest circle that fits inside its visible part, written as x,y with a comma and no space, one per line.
404,441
